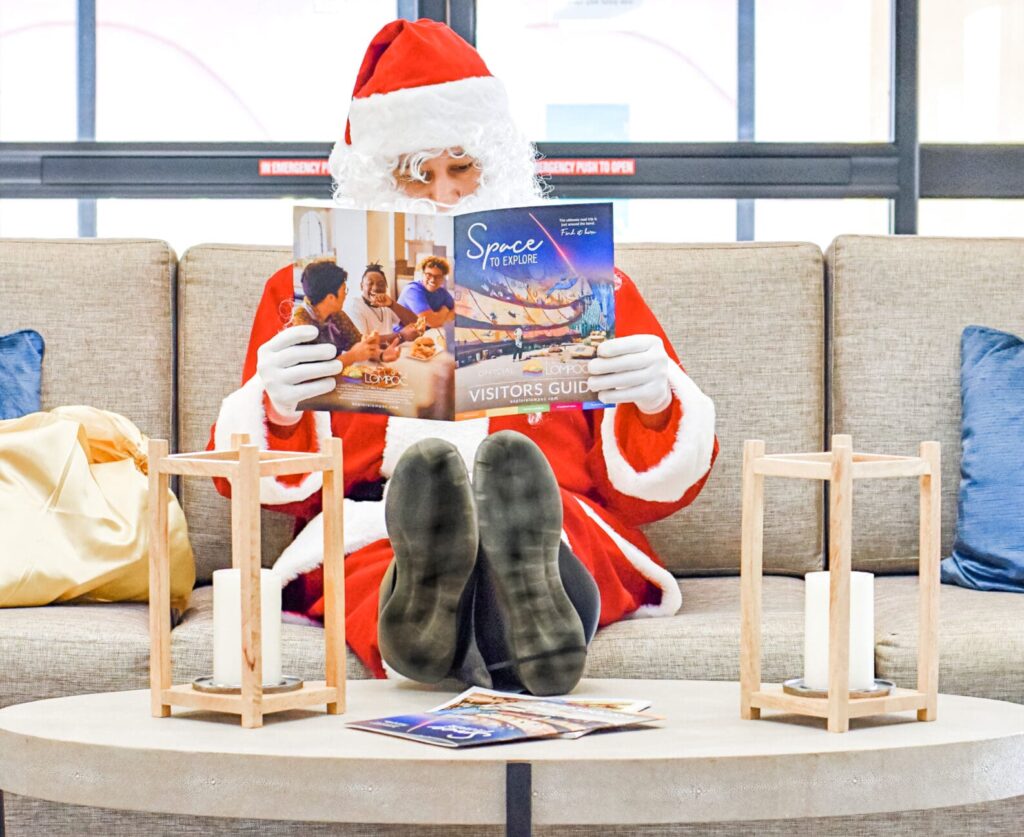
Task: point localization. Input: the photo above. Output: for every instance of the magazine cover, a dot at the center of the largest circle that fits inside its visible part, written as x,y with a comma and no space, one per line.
534,297
479,696
455,317
486,717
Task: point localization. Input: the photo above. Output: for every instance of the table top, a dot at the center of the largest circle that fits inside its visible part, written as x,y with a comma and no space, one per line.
701,764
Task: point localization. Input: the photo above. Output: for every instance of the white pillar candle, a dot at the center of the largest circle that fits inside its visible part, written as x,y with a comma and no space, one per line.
862,630
227,627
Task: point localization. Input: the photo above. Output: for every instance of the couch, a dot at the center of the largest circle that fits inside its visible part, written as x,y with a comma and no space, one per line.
792,344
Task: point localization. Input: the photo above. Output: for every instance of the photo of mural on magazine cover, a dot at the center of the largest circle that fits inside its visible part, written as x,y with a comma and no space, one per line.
534,298
442,317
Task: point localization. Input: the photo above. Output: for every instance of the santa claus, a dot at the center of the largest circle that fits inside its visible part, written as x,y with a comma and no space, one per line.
488,549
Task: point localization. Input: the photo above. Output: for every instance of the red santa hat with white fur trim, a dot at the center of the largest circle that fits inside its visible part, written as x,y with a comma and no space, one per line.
420,86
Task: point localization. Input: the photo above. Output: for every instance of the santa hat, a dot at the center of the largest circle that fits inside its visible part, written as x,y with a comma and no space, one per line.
421,86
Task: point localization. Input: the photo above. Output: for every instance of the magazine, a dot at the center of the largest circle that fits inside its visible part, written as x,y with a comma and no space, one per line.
482,716
478,696
483,314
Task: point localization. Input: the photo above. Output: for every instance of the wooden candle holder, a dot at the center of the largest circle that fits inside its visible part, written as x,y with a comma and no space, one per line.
841,466
244,465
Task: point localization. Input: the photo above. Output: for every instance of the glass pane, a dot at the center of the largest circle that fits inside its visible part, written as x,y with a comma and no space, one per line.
669,220
615,70
975,218
38,69
822,71
38,218
819,221
196,70
972,71
183,223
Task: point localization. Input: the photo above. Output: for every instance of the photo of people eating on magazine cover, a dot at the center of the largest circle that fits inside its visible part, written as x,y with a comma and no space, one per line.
374,283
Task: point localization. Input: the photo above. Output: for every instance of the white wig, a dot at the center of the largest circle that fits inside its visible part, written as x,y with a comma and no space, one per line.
364,172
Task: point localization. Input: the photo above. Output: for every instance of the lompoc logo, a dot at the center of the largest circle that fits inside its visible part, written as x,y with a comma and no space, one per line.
382,379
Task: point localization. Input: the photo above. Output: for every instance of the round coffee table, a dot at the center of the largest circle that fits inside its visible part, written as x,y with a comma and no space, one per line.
701,764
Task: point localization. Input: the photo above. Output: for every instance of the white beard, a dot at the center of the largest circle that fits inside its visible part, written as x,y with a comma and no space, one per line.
365,181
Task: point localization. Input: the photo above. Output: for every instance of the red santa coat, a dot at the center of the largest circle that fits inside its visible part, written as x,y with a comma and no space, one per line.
614,473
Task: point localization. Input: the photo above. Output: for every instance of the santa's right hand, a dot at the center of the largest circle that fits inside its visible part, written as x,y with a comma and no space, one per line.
293,369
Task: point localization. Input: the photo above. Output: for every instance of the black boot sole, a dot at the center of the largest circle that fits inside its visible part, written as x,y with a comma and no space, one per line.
519,508
431,521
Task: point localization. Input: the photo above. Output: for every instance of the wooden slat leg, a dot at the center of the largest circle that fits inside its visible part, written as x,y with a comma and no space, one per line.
159,582
246,540
751,549
334,576
840,549
928,579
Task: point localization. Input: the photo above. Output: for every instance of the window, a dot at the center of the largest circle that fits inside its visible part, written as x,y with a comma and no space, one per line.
972,71
38,218
195,70
815,85
981,218
664,88
38,71
645,220
819,221
637,70
184,223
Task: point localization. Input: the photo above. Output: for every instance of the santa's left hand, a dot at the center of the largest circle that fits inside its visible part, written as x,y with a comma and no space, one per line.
632,369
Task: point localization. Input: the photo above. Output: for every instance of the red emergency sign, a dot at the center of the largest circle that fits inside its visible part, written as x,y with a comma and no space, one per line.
586,166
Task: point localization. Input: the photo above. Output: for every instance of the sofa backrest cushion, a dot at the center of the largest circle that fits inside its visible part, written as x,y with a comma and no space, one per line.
219,286
103,307
748,323
899,306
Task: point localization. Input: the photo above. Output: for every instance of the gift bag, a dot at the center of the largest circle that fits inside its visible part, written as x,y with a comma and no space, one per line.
74,500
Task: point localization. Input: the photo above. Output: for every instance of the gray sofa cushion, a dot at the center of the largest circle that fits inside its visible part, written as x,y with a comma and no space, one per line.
899,307
104,310
219,286
702,641
61,650
302,646
981,639
748,322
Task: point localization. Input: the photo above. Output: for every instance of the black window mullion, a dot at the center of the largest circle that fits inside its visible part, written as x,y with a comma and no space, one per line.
462,18
905,34
86,101
415,9
745,104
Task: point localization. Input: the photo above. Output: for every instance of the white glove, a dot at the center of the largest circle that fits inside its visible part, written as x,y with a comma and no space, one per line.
633,368
293,369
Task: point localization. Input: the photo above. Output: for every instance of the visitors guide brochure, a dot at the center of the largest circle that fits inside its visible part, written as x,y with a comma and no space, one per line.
482,314
482,716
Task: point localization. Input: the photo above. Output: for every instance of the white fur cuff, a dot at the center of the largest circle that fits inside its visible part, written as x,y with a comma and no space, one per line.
364,524
242,412
431,116
671,597
684,465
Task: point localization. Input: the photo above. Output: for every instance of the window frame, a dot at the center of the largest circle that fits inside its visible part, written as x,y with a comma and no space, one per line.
901,170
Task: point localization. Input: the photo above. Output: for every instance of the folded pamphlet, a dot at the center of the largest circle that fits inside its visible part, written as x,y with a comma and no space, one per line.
483,716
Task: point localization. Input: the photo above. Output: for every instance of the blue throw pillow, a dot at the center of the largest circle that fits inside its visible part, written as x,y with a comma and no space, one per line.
989,550
21,371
